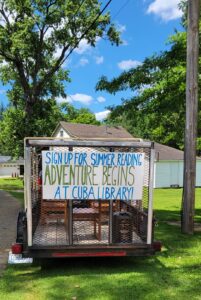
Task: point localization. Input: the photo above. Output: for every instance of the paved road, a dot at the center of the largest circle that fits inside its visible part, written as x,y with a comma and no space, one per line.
9,208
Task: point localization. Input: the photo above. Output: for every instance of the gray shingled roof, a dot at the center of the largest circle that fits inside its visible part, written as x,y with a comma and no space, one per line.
163,152
75,130
4,159
94,131
8,159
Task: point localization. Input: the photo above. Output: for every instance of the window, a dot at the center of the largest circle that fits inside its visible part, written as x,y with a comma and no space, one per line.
61,133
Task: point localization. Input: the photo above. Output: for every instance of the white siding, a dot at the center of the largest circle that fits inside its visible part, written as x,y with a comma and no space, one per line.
167,173
58,135
198,173
9,170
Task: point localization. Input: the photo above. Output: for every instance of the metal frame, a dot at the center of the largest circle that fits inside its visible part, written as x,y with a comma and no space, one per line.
27,187
150,207
88,143
34,142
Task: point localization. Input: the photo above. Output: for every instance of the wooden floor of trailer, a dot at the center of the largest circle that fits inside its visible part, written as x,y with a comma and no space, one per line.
55,234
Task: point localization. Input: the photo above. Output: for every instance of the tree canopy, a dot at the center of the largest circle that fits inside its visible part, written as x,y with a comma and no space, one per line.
36,38
156,110
13,124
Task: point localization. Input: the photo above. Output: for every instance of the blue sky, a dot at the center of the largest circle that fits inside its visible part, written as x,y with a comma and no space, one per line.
145,26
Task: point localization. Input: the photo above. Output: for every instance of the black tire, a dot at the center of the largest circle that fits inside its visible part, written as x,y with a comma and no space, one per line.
20,227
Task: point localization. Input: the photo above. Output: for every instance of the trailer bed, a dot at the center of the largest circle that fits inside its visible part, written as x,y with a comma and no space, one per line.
55,234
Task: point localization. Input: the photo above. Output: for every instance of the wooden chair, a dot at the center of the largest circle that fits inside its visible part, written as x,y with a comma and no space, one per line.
86,214
53,210
102,207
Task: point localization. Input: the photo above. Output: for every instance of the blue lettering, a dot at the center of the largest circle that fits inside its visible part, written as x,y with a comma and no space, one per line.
107,193
112,193
91,193
65,191
74,192
93,159
57,193
124,190
48,156
85,196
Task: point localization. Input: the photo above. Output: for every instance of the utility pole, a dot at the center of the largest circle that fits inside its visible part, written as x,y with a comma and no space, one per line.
188,201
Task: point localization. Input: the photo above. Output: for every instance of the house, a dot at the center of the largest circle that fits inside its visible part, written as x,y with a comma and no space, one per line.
168,165
10,167
86,131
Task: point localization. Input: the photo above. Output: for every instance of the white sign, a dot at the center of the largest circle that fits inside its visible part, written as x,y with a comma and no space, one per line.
92,175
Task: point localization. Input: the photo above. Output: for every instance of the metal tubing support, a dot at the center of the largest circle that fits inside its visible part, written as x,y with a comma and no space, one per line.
110,221
150,206
28,194
70,231
88,143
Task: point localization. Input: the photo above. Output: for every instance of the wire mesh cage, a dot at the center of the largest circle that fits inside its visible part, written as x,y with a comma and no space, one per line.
73,222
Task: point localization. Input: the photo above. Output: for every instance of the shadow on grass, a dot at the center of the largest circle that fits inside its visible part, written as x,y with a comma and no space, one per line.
172,274
173,215
103,278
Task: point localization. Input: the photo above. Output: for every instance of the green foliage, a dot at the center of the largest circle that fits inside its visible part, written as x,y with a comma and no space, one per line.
35,39
82,115
14,125
36,36
157,109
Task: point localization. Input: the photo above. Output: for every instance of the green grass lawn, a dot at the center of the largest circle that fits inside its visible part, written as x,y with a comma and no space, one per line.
11,184
175,273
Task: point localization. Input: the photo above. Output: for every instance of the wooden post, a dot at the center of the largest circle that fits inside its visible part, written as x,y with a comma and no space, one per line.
188,201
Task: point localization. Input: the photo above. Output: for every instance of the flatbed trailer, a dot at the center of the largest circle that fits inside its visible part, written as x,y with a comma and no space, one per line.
87,199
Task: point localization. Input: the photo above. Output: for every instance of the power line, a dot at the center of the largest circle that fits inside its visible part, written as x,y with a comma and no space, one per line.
80,7
87,30
121,8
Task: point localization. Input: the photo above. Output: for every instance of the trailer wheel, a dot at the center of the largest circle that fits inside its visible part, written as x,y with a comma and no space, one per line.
20,227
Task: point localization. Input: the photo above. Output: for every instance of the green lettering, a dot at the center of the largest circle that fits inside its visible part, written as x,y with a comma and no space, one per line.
94,176
88,174
59,169
131,177
47,175
104,177
53,174
72,175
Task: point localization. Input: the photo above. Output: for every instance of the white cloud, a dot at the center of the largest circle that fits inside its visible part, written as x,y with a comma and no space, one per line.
124,43
83,62
166,10
57,52
82,47
121,28
102,115
99,60
82,98
49,32
101,99
61,99
127,64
